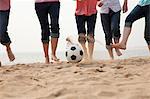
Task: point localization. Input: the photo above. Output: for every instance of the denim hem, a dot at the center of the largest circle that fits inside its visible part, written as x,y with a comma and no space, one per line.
55,35
6,43
45,41
128,24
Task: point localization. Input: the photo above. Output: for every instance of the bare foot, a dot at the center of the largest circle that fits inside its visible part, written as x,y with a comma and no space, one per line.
118,52
119,46
54,58
47,60
110,51
86,61
10,55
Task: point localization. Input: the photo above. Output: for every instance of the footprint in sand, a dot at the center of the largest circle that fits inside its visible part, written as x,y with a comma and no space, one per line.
107,94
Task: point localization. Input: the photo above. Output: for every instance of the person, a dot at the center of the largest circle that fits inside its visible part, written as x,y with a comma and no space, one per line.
110,18
4,20
44,8
86,13
142,10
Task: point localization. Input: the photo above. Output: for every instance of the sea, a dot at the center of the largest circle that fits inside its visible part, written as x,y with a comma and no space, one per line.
38,57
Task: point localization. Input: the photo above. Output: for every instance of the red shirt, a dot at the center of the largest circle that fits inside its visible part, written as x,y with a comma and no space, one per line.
4,4
86,7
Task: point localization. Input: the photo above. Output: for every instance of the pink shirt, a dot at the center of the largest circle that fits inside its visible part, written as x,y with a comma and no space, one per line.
38,1
4,4
86,7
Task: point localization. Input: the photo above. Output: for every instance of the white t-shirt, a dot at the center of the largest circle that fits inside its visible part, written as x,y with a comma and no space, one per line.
110,4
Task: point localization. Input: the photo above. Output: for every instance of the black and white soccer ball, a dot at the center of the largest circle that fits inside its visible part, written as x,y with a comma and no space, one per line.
74,53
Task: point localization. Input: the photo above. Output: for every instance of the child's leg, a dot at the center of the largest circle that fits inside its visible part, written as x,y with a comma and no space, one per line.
4,37
9,52
46,52
42,14
106,23
147,24
54,16
135,14
91,41
91,21
80,21
54,42
115,29
116,49
82,41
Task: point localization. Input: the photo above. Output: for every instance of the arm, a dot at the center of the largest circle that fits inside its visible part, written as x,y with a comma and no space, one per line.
125,6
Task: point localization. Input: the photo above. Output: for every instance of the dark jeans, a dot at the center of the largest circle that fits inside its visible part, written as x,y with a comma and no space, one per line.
137,13
42,11
4,18
111,26
81,21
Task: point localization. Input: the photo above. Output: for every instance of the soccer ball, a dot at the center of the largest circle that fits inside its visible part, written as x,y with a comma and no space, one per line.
74,53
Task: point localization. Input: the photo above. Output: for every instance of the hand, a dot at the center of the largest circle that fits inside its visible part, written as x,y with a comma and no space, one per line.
125,7
100,4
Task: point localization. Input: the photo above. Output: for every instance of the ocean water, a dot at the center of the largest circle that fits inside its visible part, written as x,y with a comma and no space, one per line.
25,58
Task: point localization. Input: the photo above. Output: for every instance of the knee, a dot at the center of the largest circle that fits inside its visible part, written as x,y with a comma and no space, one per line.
82,38
91,38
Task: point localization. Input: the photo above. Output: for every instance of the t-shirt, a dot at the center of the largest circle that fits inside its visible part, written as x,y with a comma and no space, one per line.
110,4
38,1
86,7
4,4
144,2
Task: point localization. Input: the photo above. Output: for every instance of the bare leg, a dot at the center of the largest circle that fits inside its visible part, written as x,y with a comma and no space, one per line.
0,64
9,52
91,41
123,43
116,49
90,51
54,42
85,51
149,47
46,50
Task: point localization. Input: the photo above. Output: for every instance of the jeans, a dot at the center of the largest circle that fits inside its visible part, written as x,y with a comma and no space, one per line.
42,11
81,21
4,18
137,13
111,26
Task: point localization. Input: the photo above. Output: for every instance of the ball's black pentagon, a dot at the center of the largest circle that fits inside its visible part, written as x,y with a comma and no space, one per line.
66,54
73,48
81,53
73,57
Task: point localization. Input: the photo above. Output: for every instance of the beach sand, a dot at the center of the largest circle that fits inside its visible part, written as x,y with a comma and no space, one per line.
118,79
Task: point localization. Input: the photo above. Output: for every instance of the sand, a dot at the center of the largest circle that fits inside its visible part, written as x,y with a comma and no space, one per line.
118,79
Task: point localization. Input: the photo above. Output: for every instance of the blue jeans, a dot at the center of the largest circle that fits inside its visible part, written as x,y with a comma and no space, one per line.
81,21
4,18
137,13
111,26
42,11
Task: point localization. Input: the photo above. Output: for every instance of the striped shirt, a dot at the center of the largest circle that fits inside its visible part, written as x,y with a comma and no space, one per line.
86,7
4,5
38,1
110,4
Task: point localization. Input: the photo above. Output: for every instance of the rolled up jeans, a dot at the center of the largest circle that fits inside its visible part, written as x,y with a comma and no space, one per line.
4,19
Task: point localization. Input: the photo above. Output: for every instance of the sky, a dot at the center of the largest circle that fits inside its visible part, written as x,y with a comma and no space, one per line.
25,33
